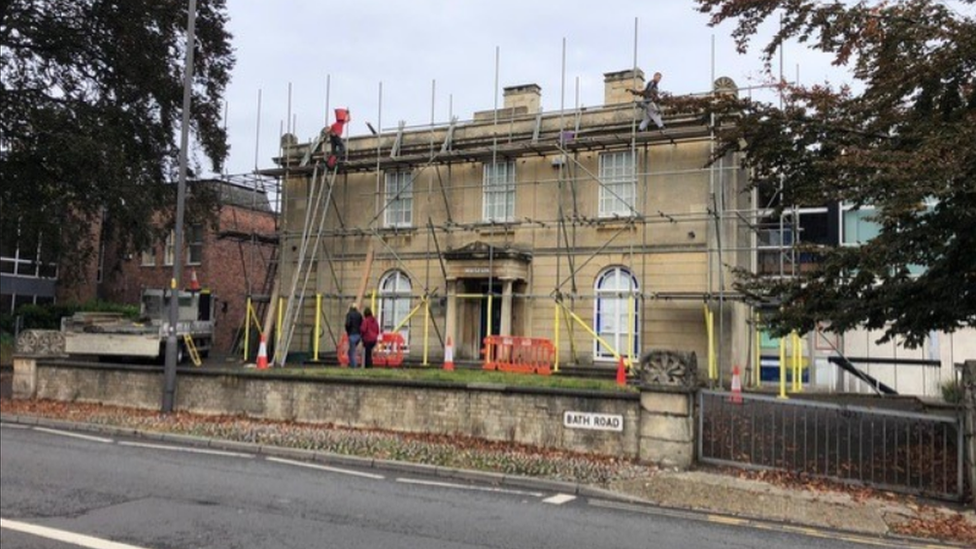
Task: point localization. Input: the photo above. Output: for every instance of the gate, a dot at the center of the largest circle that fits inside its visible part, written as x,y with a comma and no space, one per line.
909,452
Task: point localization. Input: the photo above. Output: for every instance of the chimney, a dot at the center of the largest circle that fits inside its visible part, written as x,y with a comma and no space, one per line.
526,95
616,84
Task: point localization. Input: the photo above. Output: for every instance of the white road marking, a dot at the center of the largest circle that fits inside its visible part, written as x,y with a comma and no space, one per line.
469,487
72,435
559,499
14,426
183,449
80,540
325,468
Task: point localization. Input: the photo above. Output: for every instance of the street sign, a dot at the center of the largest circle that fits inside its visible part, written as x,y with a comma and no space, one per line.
597,422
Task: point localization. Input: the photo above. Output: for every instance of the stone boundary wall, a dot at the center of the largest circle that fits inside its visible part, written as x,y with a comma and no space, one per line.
491,412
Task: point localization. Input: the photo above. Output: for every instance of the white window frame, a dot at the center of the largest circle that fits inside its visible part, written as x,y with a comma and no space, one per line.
395,303
169,250
26,266
612,301
498,197
618,184
148,258
399,199
192,245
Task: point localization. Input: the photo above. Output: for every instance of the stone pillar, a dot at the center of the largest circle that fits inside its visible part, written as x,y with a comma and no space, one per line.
667,426
450,328
32,344
969,419
24,383
506,327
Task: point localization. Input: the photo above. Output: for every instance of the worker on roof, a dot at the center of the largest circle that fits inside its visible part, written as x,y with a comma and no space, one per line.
335,136
649,98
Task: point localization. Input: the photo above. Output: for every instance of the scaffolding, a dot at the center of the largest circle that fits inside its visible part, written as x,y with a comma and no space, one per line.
735,227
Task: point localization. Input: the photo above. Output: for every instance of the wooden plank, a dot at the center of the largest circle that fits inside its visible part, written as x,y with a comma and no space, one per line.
364,281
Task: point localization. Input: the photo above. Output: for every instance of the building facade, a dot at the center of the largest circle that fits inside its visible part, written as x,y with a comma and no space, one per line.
571,226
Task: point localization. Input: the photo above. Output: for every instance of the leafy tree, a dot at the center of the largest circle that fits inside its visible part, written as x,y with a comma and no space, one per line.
901,139
90,113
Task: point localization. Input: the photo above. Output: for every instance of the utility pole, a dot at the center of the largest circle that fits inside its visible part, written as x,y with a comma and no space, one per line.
169,370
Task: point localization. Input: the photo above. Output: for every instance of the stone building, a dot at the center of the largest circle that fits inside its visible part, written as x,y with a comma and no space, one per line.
483,225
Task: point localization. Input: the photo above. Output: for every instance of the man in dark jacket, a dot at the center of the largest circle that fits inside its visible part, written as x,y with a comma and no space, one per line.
354,322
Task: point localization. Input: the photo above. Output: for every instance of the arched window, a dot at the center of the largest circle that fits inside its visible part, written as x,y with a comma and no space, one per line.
394,302
617,314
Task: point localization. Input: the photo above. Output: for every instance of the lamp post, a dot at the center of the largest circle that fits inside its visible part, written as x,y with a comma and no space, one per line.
169,370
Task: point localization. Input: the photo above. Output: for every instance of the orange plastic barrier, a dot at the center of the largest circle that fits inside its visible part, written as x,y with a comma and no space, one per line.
525,355
389,350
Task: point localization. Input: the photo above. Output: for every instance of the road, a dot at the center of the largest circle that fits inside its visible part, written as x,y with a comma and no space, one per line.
146,495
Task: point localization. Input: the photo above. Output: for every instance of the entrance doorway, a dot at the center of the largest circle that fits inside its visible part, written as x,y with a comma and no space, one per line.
496,309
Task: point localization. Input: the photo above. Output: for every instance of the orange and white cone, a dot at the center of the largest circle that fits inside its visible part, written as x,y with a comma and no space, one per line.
621,372
194,282
736,397
262,354
449,355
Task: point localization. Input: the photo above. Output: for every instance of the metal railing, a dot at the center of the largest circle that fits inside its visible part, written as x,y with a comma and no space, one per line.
911,452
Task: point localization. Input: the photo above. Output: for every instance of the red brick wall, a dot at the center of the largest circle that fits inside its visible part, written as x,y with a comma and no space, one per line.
83,286
227,265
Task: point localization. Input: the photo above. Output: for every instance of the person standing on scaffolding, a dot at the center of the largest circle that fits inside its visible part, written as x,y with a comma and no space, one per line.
649,98
335,136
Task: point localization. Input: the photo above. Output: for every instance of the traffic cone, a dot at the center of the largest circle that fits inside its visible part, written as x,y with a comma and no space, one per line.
194,282
736,397
449,355
262,354
621,372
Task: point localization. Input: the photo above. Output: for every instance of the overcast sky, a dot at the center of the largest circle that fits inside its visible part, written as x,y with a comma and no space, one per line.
409,44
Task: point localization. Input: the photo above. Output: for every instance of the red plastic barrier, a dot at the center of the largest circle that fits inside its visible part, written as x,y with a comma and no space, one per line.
389,350
525,355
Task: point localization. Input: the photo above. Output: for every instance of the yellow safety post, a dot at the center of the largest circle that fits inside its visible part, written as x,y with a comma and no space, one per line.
710,332
596,336
757,373
426,328
782,368
247,328
630,333
409,316
372,301
281,314
488,321
555,331
318,327
797,363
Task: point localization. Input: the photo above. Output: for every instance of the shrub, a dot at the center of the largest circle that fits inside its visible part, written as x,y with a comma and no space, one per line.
952,392
48,317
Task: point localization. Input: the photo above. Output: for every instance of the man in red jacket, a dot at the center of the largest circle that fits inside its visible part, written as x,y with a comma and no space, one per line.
335,136
370,331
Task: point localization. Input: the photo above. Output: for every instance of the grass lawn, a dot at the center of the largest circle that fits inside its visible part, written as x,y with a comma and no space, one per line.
466,376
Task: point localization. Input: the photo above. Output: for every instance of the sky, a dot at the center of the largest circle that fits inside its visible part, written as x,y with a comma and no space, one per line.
439,57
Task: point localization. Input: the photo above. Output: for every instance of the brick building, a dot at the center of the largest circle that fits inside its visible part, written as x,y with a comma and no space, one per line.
231,256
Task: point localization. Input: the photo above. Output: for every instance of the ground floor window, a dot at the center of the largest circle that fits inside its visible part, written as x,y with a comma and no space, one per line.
617,314
395,303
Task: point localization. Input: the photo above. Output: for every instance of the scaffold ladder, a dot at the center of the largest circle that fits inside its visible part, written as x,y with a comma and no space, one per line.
319,200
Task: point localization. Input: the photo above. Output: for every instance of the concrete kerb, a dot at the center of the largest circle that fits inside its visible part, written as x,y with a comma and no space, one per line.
471,475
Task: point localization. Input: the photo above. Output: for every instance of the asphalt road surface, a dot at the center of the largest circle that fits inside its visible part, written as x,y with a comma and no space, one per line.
63,490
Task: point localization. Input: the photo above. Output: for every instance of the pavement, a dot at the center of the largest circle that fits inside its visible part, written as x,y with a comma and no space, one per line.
719,496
